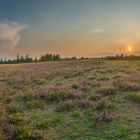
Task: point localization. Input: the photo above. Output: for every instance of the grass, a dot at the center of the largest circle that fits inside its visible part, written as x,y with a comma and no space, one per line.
135,97
89,99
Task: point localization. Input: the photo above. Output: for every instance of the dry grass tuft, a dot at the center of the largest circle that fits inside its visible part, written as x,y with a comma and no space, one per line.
104,117
107,91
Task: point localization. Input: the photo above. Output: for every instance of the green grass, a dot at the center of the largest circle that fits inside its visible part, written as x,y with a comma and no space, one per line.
135,97
89,99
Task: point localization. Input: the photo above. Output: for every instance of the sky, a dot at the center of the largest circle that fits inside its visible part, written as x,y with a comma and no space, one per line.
88,28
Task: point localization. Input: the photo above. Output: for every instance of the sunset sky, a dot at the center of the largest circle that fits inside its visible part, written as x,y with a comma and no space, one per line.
87,28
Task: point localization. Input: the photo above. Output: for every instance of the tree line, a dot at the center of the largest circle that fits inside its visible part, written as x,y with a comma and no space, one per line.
57,57
27,59
123,57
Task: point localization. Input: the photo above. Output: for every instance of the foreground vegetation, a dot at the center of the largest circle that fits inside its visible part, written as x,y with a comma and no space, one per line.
70,100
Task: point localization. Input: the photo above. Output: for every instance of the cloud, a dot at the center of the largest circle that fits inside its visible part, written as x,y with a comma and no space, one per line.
10,34
97,30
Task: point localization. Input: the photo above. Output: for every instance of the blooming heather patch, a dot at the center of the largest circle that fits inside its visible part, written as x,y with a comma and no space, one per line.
104,117
58,93
66,105
107,91
125,85
63,100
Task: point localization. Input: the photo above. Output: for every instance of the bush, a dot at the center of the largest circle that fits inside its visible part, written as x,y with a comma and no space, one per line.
134,97
85,85
104,116
52,122
69,105
104,103
34,104
14,108
19,127
126,85
107,91
66,105
25,133
58,94
85,104
75,86
2,114
103,79
2,137
17,118
96,97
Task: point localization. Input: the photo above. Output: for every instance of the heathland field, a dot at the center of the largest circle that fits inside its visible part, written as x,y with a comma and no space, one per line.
90,99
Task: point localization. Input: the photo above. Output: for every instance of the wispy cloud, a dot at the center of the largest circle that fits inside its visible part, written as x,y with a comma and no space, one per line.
10,34
96,30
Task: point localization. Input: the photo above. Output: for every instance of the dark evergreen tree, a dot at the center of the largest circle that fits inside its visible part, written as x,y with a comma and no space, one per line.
35,60
17,58
27,59
1,61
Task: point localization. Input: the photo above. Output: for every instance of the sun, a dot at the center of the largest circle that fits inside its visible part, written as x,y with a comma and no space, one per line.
130,49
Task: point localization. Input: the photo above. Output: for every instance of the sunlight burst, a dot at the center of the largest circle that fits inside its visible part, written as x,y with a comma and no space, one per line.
130,48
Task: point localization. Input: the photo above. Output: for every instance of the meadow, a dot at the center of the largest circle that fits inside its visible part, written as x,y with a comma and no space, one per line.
91,99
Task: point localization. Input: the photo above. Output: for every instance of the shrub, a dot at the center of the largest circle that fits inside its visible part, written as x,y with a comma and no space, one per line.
2,114
103,104
104,116
85,104
134,97
34,104
66,105
75,114
2,137
58,94
37,80
14,108
75,86
25,133
90,83
103,79
69,105
19,127
126,85
52,122
2,109
26,97
96,97
106,91
17,118
77,94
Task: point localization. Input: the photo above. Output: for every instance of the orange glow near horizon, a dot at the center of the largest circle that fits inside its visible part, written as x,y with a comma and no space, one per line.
130,49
